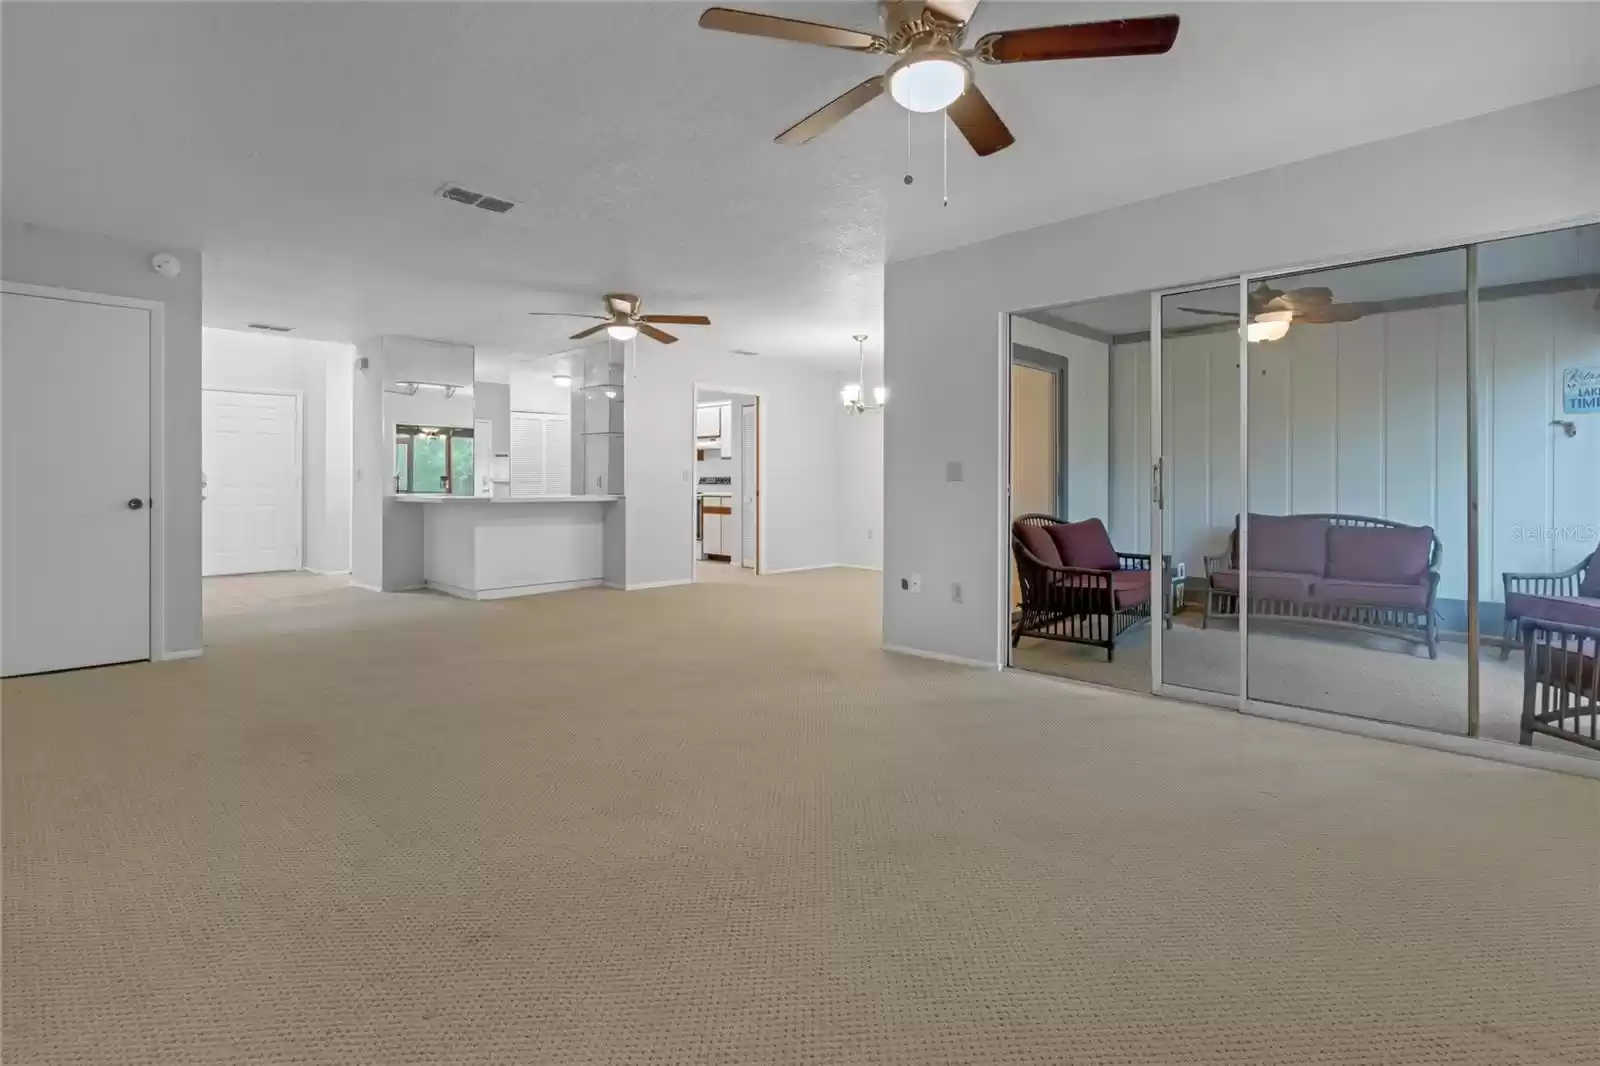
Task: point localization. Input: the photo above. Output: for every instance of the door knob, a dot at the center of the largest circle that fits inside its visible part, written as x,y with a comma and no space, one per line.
135,504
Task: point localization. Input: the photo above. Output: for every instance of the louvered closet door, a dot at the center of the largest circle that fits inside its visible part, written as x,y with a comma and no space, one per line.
748,484
527,454
541,454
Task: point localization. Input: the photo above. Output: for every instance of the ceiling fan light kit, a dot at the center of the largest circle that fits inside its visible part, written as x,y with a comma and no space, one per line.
928,83
931,71
623,322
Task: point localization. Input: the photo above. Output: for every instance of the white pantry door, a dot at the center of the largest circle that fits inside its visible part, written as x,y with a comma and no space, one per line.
75,507
250,454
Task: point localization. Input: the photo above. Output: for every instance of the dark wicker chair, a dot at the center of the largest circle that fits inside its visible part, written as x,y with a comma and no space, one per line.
1560,681
1520,589
1080,605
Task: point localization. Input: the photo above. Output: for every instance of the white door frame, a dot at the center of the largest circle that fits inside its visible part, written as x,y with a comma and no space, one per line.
157,444
760,395
299,461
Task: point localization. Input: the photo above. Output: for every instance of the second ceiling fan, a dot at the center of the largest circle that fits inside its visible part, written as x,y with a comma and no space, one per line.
932,71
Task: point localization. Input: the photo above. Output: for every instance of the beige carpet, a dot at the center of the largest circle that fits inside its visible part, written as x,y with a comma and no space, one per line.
1321,668
714,824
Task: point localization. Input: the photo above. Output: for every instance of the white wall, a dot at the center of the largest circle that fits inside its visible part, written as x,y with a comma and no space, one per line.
860,492
38,255
317,372
1369,417
1523,168
799,410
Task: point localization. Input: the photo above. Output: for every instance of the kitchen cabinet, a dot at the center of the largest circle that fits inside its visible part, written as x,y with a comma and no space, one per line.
717,533
708,421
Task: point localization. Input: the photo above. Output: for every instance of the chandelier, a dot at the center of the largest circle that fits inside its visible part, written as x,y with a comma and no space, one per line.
853,395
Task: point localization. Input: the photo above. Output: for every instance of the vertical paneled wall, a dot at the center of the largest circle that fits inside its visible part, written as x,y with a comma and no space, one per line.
1369,417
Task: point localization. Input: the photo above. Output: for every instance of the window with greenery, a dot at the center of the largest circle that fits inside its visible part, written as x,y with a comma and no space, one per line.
434,459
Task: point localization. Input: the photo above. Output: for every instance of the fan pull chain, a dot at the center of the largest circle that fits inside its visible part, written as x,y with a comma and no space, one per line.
908,178
945,125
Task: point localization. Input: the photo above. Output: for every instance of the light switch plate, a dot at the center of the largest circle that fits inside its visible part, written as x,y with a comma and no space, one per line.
953,472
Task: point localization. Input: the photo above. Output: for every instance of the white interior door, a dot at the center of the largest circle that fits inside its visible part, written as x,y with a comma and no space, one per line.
749,484
75,399
250,455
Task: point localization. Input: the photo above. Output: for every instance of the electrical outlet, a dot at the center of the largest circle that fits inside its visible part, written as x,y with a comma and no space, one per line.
869,533
916,583
955,592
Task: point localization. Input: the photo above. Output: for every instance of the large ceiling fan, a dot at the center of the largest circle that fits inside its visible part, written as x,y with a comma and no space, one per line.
623,321
1272,310
931,70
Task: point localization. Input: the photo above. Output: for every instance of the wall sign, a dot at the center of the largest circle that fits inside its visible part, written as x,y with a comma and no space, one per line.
1580,390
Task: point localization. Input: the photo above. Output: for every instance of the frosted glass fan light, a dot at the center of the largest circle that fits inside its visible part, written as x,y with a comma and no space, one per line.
622,333
928,83
1269,326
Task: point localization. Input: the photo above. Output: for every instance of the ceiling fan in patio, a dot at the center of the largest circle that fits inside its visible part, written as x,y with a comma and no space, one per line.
1273,310
623,322
931,70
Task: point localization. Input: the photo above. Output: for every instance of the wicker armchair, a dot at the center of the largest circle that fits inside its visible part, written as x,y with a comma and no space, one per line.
1561,682
1534,595
1078,604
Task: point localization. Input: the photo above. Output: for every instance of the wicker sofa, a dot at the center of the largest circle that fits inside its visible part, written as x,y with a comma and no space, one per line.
1075,586
1571,596
1342,570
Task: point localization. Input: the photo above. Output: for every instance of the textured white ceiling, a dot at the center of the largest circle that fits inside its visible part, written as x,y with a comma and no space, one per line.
299,146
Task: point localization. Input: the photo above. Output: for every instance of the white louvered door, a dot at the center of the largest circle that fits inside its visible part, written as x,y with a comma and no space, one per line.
541,454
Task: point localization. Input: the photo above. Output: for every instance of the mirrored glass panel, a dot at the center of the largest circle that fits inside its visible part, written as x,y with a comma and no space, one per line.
1539,488
1357,489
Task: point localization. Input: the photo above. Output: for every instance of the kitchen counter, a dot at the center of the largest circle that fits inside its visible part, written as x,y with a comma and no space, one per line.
486,548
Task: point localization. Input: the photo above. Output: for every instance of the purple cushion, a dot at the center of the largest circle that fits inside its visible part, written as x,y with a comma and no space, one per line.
1370,594
1266,584
1085,544
1382,556
1288,544
1131,587
1571,610
1037,541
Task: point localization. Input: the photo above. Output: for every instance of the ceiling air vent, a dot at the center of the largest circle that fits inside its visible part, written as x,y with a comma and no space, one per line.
475,199
266,327
742,351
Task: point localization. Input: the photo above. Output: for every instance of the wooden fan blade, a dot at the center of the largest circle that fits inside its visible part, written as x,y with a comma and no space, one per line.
954,10
563,314
1085,40
591,331
979,123
1203,311
656,334
1331,313
830,114
677,320
1315,294
748,22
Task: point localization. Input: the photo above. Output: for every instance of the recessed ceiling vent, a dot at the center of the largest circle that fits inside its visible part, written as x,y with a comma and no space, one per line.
742,351
267,327
475,199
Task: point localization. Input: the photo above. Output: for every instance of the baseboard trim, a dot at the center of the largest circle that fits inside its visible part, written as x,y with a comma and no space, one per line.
325,573
658,584
512,591
858,566
182,653
364,585
803,569
941,657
